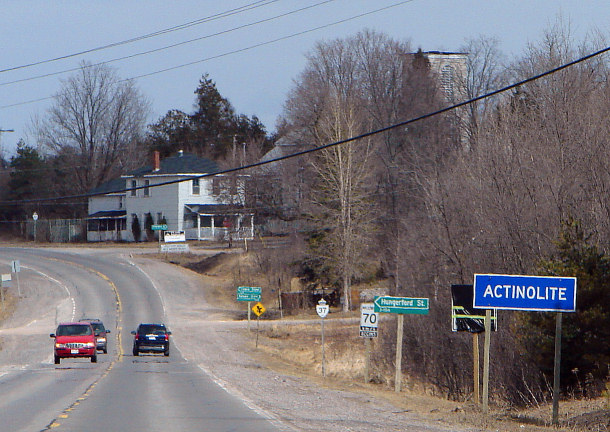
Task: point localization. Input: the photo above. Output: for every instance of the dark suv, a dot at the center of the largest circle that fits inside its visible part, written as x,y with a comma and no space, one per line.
151,338
100,333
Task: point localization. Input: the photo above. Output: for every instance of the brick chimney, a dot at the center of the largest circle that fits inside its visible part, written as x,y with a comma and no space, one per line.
156,161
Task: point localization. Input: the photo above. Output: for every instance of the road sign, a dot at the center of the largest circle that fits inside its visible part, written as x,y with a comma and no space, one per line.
174,236
534,293
174,247
401,305
245,293
463,316
162,227
258,309
15,267
5,280
322,308
368,320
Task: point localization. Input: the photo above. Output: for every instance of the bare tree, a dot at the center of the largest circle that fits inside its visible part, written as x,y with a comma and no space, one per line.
96,124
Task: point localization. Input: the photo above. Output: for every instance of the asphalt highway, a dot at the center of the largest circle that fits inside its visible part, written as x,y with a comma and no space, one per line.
120,392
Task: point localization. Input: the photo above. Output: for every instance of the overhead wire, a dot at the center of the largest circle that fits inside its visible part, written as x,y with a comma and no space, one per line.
335,143
199,21
225,54
167,46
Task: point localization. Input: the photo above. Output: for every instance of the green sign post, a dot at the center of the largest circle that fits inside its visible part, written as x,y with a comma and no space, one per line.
400,306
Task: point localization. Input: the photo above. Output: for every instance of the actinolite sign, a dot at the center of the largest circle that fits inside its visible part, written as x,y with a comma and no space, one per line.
534,293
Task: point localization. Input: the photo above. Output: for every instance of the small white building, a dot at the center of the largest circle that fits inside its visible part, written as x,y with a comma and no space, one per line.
177,191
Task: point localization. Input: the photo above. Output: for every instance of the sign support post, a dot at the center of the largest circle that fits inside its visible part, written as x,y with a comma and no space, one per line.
476,368
322,309
399,334
557,367
486,361
400,306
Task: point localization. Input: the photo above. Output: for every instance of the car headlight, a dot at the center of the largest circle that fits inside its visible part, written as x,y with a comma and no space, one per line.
89,345
60,345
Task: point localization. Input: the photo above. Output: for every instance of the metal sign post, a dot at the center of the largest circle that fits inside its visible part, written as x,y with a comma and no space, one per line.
16,268
322,309
400,306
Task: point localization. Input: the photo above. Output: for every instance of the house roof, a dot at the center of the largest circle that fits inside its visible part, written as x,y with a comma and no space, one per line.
116,184
212,209
108,214
181,163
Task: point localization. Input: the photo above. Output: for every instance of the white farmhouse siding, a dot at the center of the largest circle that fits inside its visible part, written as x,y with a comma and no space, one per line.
198,211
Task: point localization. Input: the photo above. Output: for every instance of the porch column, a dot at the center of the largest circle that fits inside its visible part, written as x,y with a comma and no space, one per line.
198,227
252,226
213,228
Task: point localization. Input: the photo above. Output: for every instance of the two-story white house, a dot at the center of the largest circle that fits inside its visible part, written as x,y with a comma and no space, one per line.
169,192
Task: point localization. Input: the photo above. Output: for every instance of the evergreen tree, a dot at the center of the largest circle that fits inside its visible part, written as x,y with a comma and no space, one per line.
586,333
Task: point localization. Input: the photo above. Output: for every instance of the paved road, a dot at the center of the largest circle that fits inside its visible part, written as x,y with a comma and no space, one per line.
120,392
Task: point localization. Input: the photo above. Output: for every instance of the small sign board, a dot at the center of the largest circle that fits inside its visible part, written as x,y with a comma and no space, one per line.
174,236
15,266
5,280
174,247
401,305
246,293
161,227
322,308
258,309
368,320
533,293
463,316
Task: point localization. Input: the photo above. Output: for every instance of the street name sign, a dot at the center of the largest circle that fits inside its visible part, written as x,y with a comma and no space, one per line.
368,320
246,293
533,293
162,227
401,305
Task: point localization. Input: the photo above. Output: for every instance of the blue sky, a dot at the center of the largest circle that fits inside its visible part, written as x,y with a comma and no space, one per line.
255,80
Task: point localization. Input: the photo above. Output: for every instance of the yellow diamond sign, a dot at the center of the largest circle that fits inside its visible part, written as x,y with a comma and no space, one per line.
258,309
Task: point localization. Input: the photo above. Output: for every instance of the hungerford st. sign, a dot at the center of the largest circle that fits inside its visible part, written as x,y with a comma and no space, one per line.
535,293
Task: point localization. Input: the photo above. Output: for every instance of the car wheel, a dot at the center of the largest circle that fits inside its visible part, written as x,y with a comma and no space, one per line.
94,358
105,350
135,352
57,360
166,353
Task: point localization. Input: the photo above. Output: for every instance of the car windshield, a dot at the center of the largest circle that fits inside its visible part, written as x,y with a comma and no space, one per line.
98,327
151,329
74,330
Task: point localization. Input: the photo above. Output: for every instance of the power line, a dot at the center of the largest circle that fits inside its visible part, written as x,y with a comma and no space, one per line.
199,21
335,143
225,54
167,46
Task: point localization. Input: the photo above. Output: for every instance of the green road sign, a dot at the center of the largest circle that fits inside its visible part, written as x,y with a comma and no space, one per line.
158,227
245,293
401,305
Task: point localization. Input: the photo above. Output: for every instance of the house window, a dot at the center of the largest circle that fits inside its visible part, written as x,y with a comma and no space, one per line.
215,186
146,189
159,217
195,186
134,184
233,186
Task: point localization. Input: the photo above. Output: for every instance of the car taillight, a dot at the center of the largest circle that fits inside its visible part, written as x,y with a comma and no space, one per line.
166,337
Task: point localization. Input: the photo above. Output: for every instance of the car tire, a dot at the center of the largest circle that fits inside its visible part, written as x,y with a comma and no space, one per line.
57,359
94,358
105,350
166,353
135,352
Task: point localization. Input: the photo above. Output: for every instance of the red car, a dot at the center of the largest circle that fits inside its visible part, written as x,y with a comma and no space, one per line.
75,339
